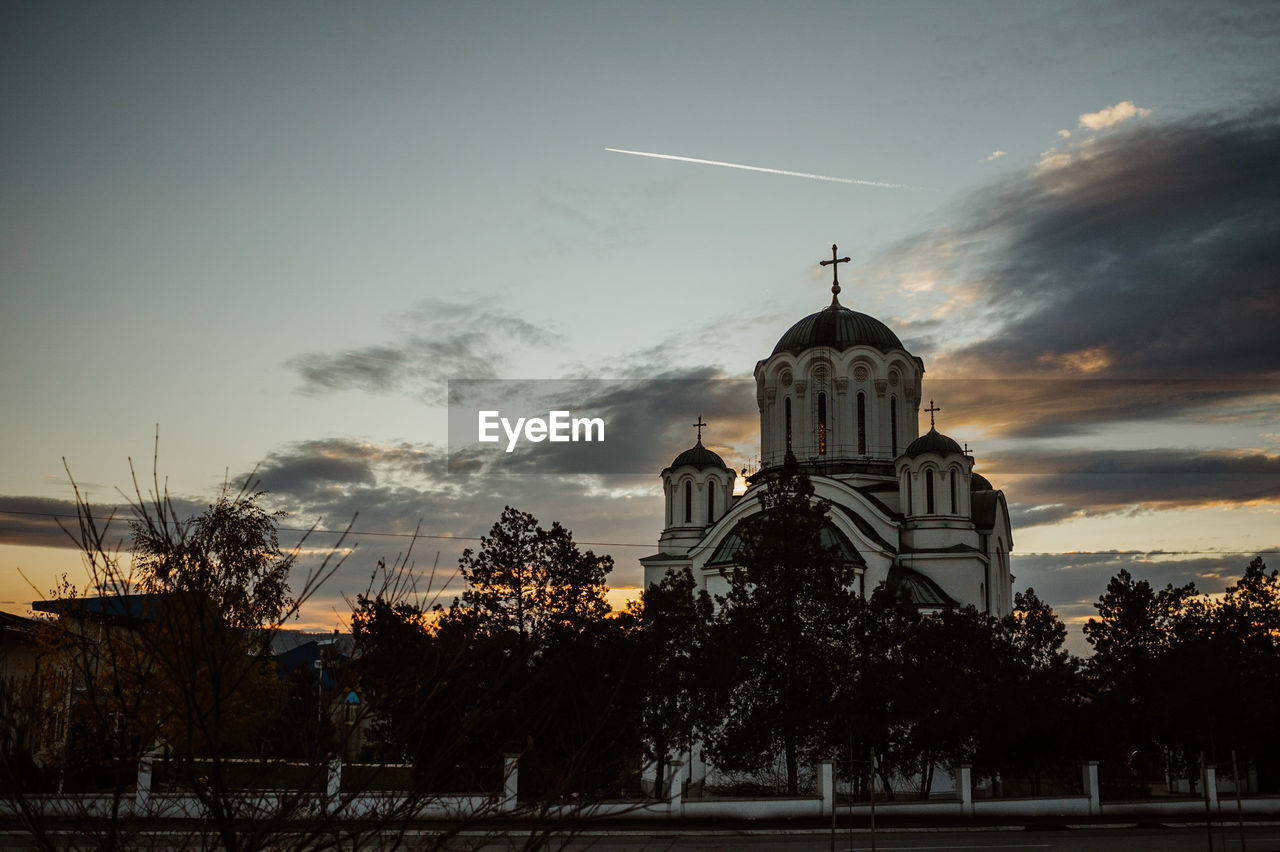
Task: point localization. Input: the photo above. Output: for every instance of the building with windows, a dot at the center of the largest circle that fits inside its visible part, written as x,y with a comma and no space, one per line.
843,395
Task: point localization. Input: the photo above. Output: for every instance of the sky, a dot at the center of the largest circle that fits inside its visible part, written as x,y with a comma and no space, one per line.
275,232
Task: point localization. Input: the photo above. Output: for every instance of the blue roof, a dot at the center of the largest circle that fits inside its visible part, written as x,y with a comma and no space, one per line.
140,607
304,657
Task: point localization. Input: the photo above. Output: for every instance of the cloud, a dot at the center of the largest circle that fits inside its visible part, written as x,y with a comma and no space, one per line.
1064,134
388,490
1053,486
46,521
1112,115
391,489
1152,260
1029,408
995,155
430,343
33,521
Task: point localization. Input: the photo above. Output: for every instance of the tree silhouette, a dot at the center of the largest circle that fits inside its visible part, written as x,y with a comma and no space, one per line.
531,580
790,600
674,621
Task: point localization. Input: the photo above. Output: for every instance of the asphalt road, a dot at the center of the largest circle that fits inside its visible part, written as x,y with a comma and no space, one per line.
1190,838
1121,838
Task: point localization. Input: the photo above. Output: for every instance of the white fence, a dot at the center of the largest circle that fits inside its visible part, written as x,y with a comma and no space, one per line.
505,805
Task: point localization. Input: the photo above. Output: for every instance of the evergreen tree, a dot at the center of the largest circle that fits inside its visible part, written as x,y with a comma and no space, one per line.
674,622
532,581
791,599
1129,674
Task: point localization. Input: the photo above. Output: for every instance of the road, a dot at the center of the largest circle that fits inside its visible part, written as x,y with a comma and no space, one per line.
1190,838
1129,838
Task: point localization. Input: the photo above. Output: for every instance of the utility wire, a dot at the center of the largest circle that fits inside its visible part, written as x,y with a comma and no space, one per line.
650,545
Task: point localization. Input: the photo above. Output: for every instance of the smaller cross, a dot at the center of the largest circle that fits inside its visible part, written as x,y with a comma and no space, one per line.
834,263
932,409
699,426
967,451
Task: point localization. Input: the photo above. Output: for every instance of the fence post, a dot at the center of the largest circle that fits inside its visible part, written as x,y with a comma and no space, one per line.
510,783
1089,779
1209,782
964,781
142,797
826,788
333,782
675,805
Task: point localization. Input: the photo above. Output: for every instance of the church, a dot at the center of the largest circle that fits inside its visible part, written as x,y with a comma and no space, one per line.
841,393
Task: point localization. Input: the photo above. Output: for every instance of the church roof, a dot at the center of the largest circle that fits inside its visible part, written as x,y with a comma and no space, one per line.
933,441
830,536
839,328
700,457
924,592
978,482
983,507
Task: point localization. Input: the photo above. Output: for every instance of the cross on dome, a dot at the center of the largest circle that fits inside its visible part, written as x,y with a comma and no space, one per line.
932,409
834,263
699,426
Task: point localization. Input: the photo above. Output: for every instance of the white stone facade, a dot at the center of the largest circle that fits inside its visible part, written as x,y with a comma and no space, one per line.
842,394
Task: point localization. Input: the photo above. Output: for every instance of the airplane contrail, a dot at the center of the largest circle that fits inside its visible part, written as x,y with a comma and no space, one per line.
762,169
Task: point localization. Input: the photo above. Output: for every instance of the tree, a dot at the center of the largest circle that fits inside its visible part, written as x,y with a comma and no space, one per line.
171,653
1220,674
674,620
1037,702
1128,672
872,695
221,583
1247,621
526,661
227,557
951,665
532,581
791,599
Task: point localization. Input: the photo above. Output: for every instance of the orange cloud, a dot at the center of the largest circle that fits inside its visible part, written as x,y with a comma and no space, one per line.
1113,115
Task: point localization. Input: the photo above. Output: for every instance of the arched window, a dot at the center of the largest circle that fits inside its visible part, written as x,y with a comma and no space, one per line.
954,508
822,424
982,593
671,500
786,407
911,508
928,492
862,423
688,502
711,502
893,424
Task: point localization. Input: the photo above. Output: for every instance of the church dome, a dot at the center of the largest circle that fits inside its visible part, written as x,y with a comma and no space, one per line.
933,441
699,457
839,328
978,482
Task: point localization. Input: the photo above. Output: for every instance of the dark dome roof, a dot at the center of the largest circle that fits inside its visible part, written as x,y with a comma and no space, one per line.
829,536
978,482
839,328
700,457
933,441
924,592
